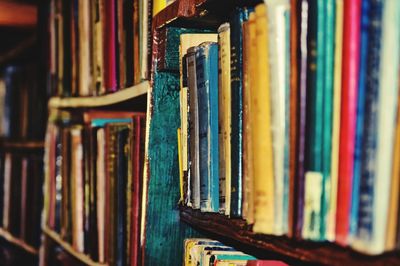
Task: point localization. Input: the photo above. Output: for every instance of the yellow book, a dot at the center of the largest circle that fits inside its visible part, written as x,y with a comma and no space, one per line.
178,133
262,139
250,78
337,83
224,118
159,5
391,229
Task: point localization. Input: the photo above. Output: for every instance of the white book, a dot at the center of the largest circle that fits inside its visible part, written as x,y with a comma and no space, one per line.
387,109
277,36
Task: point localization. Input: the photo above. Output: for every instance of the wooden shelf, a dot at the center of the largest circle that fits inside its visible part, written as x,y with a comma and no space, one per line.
17,14
80,256
22,145
104,100
240,234
18,242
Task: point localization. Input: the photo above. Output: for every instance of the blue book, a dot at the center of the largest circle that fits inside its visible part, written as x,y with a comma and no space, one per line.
101,122
359,142
368,154
240,15
121,184
207,86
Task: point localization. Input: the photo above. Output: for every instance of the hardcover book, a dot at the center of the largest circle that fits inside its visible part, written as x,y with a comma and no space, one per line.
207,86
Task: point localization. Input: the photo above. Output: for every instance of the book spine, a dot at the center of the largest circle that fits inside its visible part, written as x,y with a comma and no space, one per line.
110,74
262,137
7,188
194,147
294,111
393,219
84,49
327,113
101,193
359,138
225,117
240,15
351,40
287,148
337,83
66,47
315,83
250,83
134,69
276,31
207,85
302,114
247,144
387,106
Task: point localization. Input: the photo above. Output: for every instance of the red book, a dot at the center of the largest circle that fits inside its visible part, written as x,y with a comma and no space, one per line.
351,54
265,263
110,71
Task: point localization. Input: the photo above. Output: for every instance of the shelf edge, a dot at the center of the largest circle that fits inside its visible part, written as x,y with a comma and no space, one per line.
305,251
18,242
104,100
67,247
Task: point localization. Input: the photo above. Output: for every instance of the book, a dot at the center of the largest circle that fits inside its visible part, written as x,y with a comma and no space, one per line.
337,87
304,11
370,130
159,5
365,24
387,106
207,86
278,81
239,16
194,144
294,107
249,79
224,102
350,68
261,134
394,190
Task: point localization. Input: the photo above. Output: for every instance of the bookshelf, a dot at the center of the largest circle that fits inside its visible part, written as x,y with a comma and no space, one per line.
209,15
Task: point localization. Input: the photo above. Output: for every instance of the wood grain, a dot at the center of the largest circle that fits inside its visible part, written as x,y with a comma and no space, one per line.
299,251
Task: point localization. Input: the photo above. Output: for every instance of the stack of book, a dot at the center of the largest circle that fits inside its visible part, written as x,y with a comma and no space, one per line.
22,104
95,166
290,120
98,46
205,252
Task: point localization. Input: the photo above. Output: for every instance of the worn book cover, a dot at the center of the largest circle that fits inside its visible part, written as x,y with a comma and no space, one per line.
262,137
224,117
207,85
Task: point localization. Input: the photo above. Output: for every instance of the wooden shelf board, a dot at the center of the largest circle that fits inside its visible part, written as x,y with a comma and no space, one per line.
7,144
80,256
17,14
237,231
97,101
18,242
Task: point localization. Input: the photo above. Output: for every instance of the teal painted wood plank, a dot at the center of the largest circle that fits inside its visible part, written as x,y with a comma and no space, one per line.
164,231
